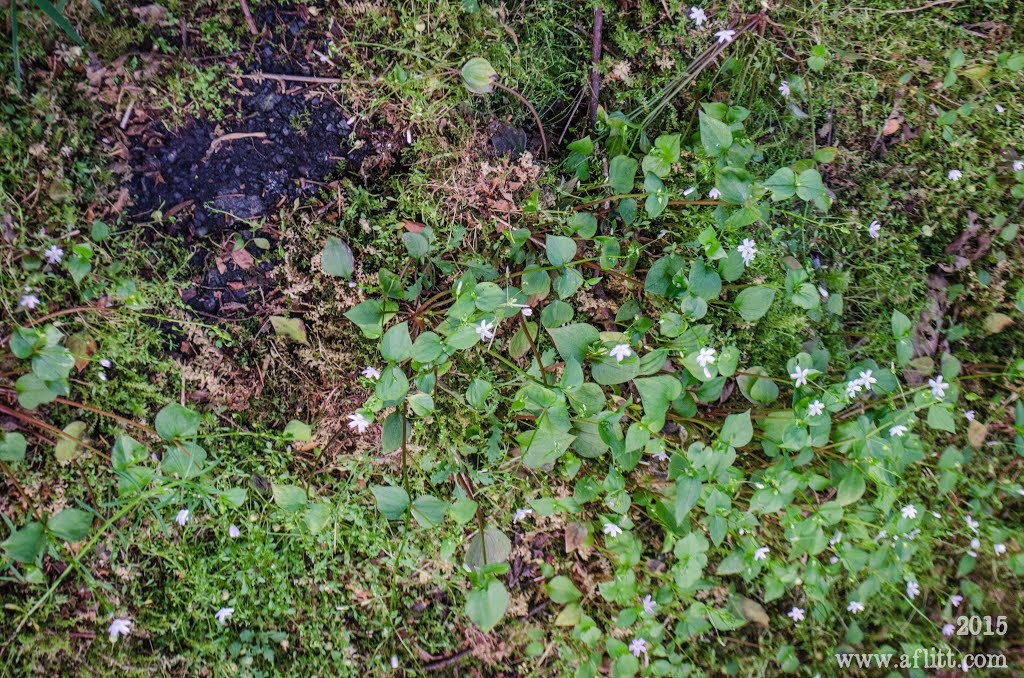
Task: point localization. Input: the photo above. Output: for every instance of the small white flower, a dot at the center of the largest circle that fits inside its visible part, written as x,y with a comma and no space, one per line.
224,614
909,511
105,363
234,532
714,194
999,549
394,662
689,191
102,376
956,599
800,376
358,423
898,431
371,372
520,514
638,647
913,589
621,352
119,627
698,16
971,523
785,91
874,229
527,311
1000,109
947,630
762,553
833,560
970,415
182,517
938,387
724,37
796,614
485,330
649,604
975,543
660,455
612,530
836,539
1018,165
815,408
748,250
706,357
855,607
867,379
954,175
53,254
853,387
29,301
822,291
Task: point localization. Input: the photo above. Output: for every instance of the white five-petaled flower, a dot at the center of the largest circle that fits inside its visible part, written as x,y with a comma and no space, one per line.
53,254
1018,165
796,614
815,408
371,372
947,630
762,553
182,517
938,387
747,250
999,549
853,387
724,37
874,229
649,604
234,532
799,377
358,422
520,514
698,16
898,430
956,599
909,511
28,300
224,614
485,330
867,379
785,91
970,415
660,455
913,589
526,311
706,357
714,194
620,352
855,607
119,627
954,175
612,530
638,647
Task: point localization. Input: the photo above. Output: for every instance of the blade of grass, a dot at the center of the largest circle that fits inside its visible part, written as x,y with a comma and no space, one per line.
15,48
58,19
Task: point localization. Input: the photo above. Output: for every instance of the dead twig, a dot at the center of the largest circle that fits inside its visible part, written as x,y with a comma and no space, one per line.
595,61
313,79
233,136
248,18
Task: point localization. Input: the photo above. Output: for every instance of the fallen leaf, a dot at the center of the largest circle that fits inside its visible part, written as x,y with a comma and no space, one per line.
289,328
242,259
997,322
976,433
69,446
752,611
892,125
413,226
575,536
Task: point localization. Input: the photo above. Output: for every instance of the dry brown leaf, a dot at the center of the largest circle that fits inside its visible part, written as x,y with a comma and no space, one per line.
413,226
575,536
892,125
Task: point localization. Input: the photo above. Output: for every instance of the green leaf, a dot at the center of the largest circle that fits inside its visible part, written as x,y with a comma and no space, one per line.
290,498
391,500
560,250
657,393
25,341
753,302
757,387
809,186
622,174
486,607
24,545
12,446
175,421
429,511
737,430
417,245
662,156
782,184
33,391
289,328
370,317
806,296
71,524
392,385
337,259
657,196
316,517
396,346
427,348
572,341
53,363
561,590
704,282
715,136
127,452
940,418
58,19
477,393
544,445
298,431
422,404
69,446
186,460
851,488
495,543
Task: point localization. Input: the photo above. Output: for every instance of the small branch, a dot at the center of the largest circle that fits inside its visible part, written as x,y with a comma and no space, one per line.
595,60
310,79
533,346
248,18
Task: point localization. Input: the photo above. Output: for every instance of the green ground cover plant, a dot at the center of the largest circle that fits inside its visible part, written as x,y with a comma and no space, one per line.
469,366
